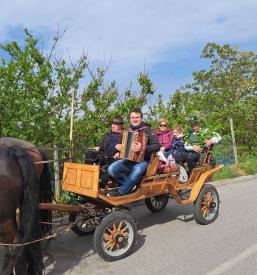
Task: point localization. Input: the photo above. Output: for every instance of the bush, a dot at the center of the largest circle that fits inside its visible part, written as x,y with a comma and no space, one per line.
66,198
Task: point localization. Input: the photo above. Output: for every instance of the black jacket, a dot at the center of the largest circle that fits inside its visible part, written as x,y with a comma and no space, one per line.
177,146
153,144
107,145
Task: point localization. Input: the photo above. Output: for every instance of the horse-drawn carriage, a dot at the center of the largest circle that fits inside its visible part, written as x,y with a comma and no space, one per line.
108,217
25,184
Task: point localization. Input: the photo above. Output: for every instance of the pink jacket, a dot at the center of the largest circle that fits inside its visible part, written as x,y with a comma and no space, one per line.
165,137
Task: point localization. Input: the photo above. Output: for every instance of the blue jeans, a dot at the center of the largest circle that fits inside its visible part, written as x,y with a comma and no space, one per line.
127,173
167,153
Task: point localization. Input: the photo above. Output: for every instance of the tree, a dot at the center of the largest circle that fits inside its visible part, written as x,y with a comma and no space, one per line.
228,89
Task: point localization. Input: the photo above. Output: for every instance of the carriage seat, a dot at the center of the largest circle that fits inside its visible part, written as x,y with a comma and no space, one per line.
153,165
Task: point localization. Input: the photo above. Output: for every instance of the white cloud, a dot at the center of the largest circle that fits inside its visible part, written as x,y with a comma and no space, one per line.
133,33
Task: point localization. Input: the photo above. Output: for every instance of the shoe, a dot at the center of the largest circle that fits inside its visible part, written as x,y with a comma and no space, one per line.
114,194
184,194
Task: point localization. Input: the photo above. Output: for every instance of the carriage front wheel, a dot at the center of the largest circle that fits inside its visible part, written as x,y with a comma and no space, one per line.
157,203
115,236
206,207
82,226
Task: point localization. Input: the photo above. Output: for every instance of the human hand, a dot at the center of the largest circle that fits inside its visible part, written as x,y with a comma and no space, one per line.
197,149
208,143
170,157
118,147
117,155
162,149
136,146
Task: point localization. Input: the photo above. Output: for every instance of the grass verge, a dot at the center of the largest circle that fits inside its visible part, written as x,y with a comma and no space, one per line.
247,166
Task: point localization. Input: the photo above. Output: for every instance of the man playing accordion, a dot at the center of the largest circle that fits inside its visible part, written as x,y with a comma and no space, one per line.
128,172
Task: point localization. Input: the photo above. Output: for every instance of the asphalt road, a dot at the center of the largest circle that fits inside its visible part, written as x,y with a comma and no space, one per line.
171,242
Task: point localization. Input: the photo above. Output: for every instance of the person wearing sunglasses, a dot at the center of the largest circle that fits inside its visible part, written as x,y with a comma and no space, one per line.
165,136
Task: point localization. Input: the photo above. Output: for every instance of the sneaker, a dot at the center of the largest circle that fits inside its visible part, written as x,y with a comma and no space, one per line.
113,194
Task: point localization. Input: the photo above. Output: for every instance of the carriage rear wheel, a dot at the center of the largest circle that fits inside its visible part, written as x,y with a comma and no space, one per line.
206,207
82,226
157,203
115,236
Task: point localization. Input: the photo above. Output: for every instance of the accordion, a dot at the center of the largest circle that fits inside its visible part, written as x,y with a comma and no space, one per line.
128,138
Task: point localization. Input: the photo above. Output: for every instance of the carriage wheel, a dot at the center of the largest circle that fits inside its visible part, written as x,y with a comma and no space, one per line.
206,207
157,204
82,227
115,236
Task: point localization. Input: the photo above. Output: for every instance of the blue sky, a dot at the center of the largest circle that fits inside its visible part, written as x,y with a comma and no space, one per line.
164,38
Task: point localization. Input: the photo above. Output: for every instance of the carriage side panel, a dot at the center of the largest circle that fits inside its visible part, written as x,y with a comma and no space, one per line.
81,179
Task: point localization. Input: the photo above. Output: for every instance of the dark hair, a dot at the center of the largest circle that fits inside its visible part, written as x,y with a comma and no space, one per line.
136,110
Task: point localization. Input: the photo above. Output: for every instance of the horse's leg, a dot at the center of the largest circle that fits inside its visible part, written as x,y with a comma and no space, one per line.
21,264
10,234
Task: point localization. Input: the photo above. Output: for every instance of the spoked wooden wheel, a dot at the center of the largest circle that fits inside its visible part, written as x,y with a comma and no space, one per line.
206,207
157,203
115,236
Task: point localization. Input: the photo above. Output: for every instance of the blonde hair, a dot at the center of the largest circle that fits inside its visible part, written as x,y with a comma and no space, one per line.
162,120
178,128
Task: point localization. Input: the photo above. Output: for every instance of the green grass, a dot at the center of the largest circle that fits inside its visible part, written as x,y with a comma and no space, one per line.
225,173
247,166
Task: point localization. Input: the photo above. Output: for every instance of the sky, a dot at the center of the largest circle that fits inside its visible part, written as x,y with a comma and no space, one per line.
163,38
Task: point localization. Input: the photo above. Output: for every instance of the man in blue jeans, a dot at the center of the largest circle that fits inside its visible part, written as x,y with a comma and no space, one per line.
128,173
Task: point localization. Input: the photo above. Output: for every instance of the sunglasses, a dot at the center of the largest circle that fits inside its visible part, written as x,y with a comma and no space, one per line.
163,125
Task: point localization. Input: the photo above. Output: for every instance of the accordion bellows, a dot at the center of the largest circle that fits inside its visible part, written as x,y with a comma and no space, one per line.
128,138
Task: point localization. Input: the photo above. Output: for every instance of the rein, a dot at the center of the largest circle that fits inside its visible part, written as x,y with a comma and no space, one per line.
54,235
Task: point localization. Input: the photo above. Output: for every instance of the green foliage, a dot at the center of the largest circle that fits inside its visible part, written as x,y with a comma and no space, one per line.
248,163
225,173
199,138
228,89
66,198
36,92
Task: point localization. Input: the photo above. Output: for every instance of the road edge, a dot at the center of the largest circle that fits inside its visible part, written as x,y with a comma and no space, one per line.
233,180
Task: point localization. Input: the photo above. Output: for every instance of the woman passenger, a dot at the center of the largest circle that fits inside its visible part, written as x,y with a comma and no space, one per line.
165,136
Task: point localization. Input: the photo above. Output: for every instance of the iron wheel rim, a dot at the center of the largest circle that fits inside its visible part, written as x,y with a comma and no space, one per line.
117,238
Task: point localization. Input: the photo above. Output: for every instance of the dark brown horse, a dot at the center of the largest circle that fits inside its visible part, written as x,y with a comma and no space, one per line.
23,184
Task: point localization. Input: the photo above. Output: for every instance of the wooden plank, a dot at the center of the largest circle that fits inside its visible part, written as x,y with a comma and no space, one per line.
60,207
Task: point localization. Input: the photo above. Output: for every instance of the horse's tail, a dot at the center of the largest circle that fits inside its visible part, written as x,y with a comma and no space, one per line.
30,228
46,194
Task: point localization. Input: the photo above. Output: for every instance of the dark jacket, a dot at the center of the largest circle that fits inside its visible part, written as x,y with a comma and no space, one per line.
153,144
177,146
107,145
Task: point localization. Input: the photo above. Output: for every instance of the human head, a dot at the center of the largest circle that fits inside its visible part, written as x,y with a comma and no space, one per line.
117,124
196,127
177,131
163,123
196,123
135,116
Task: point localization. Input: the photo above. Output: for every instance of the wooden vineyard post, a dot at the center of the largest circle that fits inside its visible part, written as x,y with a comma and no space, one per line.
233,140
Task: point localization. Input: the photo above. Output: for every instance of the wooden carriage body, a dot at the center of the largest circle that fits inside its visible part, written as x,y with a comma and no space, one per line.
83,179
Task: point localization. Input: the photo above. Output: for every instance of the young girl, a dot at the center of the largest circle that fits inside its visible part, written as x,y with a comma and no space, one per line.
177,146
176,151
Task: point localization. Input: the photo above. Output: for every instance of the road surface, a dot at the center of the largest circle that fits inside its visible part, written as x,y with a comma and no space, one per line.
171,242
